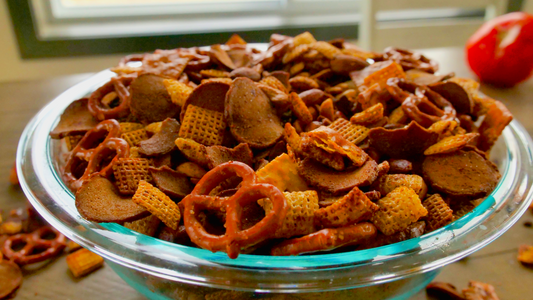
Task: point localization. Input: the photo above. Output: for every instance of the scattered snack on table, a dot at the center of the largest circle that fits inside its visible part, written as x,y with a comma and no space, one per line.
525,255
83,262
305,147
10,277
13,177
475,291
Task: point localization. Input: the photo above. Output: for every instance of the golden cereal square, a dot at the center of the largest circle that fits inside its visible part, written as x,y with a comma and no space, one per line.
398,210
159,204
129,172
203,126
352,132
135,137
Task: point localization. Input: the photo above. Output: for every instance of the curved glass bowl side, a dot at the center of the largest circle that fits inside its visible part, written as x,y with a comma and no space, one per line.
47,193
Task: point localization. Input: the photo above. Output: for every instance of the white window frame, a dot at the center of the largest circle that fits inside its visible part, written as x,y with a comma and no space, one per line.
56,22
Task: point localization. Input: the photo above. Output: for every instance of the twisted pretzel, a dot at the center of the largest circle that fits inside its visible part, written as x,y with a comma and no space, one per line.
36,247
423,105
235,239
94,148
410,60
119,86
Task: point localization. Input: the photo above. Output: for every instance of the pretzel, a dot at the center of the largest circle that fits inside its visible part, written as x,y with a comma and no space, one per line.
235,239
118,85
88,151
352,208
326,239
36,247
203,125
397,210
410,60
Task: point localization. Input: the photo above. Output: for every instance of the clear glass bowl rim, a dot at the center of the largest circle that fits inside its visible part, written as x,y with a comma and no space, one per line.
47,193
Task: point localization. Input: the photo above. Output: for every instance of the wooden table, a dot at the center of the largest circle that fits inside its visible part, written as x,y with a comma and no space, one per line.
495,264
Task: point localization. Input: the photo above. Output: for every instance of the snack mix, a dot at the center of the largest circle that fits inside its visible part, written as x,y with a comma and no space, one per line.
303,148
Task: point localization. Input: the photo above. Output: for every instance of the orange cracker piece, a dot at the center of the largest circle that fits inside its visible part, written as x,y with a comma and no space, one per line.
398,116
443,127
147,225
159,204
496,119
303,83
236,39
352,132
130,126
480,291
178,91
450,144
326,49
397,210
439,213
72,141
353,208
154,128
193,151
191,169
203,125
297,68
303,38
223,80
83,262
295,53
525,254
300,109
323,153
129,172
381,76
387,183
333,142
213,73
135,137
274,82
292,137
368,116
282,172
300,214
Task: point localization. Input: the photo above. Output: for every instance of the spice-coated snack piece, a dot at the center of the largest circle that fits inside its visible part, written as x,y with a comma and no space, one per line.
99,200
37,246
250,116
75,120
10,277
157,203
172,183
161,142
461,173
150,101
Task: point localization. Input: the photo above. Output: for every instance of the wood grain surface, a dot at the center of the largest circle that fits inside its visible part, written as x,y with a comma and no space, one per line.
495,264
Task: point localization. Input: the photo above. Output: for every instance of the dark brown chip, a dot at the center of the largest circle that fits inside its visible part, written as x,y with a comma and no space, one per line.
98,200
150,100
344,64
75,120
10,277
337,182
461,173
163,141
250,116
217,155
210,95
456,95
443,290
245,72
220,56
170,182
425,78
410,141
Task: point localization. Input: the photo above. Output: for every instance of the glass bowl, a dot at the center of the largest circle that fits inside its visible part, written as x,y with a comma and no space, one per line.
162,270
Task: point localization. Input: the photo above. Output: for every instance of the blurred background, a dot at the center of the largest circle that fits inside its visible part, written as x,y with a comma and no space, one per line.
47,38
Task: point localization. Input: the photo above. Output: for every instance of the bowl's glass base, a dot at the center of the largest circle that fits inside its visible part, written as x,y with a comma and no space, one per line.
161,289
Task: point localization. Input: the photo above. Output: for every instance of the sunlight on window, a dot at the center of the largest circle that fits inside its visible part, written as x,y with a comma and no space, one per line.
85,3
